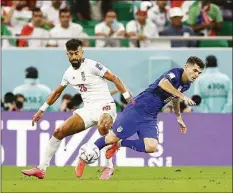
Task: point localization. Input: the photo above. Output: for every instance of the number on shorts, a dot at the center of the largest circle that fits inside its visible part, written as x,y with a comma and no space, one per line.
82,88
106,108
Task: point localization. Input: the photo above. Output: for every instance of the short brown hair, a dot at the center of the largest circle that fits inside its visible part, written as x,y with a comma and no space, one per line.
195,60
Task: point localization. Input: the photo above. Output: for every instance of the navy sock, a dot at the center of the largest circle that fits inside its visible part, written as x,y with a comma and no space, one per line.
100,143
137,145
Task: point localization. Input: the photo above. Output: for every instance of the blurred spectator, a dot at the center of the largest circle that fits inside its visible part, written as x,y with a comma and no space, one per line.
45,4
184,108
141,29
30,3
158,14
66,29
214,88
77,101
2,106
9,102
34,29
205,18
81,9
185,7
168,108
176,28
95,7
35,94
17,16
66,98
6,43
51,12
110,27
90,9
123,102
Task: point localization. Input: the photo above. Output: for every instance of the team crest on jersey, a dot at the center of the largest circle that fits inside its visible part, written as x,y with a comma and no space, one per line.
83,76
99,66
119,129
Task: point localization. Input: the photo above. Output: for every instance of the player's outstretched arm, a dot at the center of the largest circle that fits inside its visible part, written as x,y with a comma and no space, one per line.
118,83
51,99
176,106
168,87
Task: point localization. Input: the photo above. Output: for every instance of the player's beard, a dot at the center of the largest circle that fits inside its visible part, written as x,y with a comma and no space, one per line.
76,64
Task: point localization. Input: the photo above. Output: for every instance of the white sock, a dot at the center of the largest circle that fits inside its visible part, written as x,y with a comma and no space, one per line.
108,162
50,150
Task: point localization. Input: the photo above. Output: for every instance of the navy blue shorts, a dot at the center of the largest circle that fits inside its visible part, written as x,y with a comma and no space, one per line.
131,121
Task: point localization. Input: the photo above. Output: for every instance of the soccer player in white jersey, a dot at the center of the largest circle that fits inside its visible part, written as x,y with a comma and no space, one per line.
89,78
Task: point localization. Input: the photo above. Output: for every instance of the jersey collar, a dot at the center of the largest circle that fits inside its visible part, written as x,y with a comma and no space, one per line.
31,80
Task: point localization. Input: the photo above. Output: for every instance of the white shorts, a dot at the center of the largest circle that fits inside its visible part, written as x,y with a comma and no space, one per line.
91,115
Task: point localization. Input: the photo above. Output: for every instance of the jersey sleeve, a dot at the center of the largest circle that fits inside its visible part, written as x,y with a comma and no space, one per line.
173,76
64,81
98,69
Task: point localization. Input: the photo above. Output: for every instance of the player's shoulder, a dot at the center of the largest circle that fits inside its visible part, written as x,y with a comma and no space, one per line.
44,88
176,71
224,76
131,23
91,63
151,24
55,29
19,89
101,24
76,26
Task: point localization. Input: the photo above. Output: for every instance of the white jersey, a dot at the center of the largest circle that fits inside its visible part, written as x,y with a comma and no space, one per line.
89,82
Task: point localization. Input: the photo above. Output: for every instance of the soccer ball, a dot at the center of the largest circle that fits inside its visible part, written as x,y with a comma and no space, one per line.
89,153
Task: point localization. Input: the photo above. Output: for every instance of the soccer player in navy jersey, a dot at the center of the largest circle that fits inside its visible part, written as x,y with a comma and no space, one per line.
140,115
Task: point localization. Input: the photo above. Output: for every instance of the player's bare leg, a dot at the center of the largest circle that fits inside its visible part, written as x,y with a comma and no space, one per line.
71,126
104,125
150,145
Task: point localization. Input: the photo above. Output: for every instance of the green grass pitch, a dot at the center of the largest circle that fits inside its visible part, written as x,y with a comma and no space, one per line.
125,179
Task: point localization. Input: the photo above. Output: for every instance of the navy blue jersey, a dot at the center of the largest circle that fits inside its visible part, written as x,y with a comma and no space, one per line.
153,99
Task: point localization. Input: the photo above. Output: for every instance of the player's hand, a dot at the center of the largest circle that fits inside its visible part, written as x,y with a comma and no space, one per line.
183,128
37,117
188,100
129,99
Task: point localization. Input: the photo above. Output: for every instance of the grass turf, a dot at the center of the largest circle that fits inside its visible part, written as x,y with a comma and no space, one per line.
125,179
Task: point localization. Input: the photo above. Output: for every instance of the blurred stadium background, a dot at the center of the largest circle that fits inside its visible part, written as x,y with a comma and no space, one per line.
33,34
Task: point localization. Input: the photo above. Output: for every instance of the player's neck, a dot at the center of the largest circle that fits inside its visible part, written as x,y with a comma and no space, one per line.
184,78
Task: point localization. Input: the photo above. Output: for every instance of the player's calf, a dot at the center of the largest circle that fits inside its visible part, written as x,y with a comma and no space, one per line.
151,145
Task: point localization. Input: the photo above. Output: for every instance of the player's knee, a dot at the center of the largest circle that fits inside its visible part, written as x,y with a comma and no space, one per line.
102,129
151,145
58,133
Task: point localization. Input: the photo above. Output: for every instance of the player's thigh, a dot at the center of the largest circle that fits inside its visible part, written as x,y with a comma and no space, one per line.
126,124
87,115
72,125
148,131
